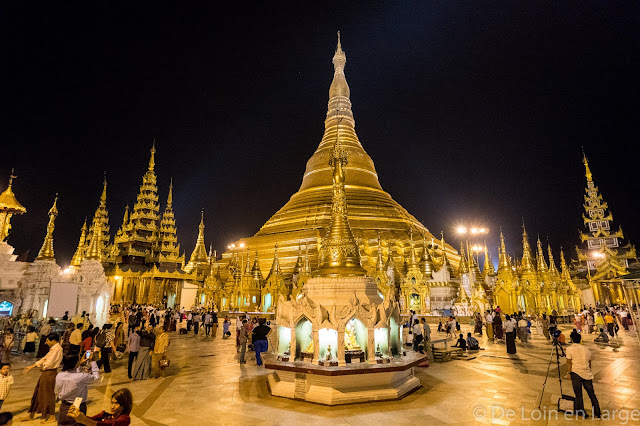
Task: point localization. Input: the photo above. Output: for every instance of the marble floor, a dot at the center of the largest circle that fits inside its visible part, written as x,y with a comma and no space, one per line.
205,385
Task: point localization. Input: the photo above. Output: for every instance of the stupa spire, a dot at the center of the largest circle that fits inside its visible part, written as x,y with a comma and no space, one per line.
426,263
527,260
413,261
275,266
93,251
78,256
488,268
542,264
199,254
552,264
586,167
255,270
503,259
46,251
445,260
103,196
9,206
339,253
152,158
380,261
462,266
563,265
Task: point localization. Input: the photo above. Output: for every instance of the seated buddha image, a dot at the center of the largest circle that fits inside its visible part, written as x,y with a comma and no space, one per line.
350,337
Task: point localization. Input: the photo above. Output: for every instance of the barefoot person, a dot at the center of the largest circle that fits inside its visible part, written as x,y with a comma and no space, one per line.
44,397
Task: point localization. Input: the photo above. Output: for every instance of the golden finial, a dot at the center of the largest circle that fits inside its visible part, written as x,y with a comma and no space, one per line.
380,261
199,254
152,160
586,166
170,196
125,219
78,256
527,262
462,266
9,206
275,266
552,263
255,270
503,259
46,251
339,253
488,268
103,196
542,264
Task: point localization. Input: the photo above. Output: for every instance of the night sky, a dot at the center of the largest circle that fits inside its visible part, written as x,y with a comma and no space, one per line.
471,112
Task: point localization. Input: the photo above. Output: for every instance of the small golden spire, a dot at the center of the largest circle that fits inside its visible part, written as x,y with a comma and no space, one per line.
445,260
542,264
275,266
488,268
170,196
563,265
552,263
94,252
339,253
9,206
527,262
103,196
380,261
503,259
152,159
462,266
255,270
307,264
78,256
413,261
390,263
46,251
199,254
586,166
426,263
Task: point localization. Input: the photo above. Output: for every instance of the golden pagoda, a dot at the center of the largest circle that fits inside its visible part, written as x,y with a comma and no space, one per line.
309,214
101,219
78,256
604,259
9,206
198,261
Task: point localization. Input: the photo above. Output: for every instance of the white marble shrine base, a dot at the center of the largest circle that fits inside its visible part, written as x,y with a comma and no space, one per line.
343,385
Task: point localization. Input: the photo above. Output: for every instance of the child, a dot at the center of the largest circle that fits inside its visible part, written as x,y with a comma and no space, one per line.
6,380
30,341
225,328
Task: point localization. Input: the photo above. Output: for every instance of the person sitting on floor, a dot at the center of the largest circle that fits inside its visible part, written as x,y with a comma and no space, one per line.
602,337
461,343
472,343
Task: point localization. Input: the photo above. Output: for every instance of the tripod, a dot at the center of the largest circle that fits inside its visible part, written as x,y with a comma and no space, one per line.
557,348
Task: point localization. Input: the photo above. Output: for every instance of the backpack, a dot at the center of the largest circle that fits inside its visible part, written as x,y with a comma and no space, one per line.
101,340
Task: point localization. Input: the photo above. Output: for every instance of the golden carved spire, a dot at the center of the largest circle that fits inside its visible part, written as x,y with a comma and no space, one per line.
413,261
199,254
563,265
255,270
426,263
503,259
390,264
488,268
445,260
527,262
275,266
462,266
78,256
94,251
152,159
103,196
542,264
552,264
586,167
339,253
46,251
170,196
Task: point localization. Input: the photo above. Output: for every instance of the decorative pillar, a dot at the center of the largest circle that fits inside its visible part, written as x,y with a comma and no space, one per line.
341,360
292,344
316,345
371,345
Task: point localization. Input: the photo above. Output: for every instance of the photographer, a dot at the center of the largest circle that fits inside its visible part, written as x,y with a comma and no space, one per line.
579,368
74,383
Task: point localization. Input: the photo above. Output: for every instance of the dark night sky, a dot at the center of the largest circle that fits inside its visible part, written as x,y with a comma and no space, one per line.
469,111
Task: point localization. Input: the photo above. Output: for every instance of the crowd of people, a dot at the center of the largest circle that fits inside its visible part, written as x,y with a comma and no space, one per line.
84,354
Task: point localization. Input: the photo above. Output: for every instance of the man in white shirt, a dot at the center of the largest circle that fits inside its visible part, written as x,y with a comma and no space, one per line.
522,330
76,338
44,398
579,368
417,335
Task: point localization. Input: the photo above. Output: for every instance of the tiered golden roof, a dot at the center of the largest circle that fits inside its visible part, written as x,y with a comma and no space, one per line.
168,248
199,254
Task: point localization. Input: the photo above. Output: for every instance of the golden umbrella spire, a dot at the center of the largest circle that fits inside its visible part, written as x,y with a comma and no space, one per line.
152,159
552,264
462,266
380,262
445,260
9,206
542,264
275,266
103,196
46,251
339,253
563,265
199,254
78,256
488,265
426,264
503,259
413,261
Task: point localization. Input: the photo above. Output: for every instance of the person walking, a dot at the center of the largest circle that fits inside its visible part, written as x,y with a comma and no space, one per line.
73,383
196,323
44,398
207,324
579,369
523,329
489,320
244,336
159,352
510,333
478,323
133,344
260,342
214,324
609,321
105,342
142,367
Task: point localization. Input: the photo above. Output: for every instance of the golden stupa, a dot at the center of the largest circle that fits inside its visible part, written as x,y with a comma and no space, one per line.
302,222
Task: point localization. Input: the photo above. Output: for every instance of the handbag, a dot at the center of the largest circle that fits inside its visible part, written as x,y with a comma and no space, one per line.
164,362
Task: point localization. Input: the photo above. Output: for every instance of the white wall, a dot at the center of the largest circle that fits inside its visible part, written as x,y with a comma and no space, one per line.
62,297
188,297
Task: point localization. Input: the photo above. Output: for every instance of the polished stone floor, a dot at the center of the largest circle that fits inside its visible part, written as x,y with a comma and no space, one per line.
205,385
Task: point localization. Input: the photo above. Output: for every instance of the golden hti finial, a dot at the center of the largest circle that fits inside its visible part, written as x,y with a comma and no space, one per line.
542,264
462,266
426,263
503,259
552,263
152,159
275,266
339,253
170,196
78,256
445,260
527,260
563,266
94,252
586,166
199,254
9,206
46,251
488,268
103,196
